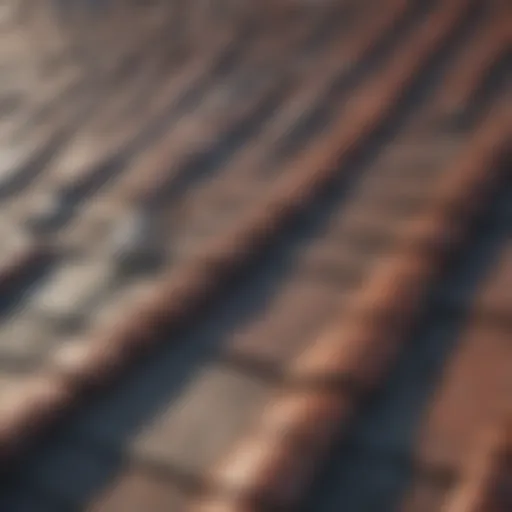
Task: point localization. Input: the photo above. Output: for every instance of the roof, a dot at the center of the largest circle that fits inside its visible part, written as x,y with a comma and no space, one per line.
255,256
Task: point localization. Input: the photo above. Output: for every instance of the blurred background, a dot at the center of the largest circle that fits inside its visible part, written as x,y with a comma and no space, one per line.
255,255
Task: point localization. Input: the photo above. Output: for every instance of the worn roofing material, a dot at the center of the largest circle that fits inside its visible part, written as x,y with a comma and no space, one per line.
246,252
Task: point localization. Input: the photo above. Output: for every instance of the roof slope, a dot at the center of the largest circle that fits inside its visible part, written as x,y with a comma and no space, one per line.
256,256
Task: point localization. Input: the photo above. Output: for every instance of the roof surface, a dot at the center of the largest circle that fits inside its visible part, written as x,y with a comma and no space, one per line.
256,256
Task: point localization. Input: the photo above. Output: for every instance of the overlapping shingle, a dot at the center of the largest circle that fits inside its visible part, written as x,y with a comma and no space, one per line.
197,193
